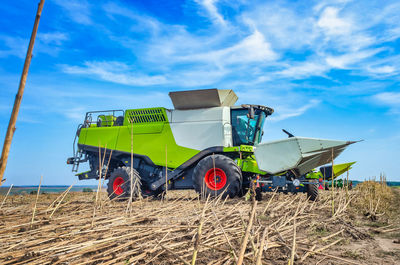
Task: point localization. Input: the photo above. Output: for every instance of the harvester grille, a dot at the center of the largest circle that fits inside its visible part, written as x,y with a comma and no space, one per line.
145,115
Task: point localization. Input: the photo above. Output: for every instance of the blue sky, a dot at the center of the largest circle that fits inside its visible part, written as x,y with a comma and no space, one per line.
330,69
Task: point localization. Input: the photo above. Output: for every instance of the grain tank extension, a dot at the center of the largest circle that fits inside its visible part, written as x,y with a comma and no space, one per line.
205,143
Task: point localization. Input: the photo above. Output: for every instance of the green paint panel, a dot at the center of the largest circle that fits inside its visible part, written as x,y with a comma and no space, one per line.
107,120
155,145
82,136
152,137
246,148
242,148
231,149
145,128
99,136
249,164
314,175
339,169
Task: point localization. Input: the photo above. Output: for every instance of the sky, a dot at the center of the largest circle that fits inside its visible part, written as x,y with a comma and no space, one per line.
329,68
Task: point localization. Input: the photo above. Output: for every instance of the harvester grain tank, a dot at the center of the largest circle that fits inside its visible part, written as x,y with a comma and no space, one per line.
205,143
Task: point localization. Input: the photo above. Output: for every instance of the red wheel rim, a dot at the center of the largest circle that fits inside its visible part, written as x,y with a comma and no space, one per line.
118,181
215,181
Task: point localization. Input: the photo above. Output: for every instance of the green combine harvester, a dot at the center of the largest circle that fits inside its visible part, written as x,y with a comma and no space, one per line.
325,173
205,143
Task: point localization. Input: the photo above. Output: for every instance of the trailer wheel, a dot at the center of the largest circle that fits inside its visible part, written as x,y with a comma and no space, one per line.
312,190
225,178
119,183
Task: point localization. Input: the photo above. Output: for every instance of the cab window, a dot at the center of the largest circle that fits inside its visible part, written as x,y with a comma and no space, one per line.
245,130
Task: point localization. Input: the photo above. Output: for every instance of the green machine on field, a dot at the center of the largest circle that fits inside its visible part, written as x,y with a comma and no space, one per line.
205,143
327,173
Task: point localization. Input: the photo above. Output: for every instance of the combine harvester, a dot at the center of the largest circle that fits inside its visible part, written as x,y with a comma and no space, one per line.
205,143
325,173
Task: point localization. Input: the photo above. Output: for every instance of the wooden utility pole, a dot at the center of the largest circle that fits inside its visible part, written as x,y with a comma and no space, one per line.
333,187
18,97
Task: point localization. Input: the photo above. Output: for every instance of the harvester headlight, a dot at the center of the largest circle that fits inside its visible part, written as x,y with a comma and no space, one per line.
296,182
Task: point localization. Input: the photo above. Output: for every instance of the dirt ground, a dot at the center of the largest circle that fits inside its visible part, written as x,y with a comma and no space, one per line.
77,228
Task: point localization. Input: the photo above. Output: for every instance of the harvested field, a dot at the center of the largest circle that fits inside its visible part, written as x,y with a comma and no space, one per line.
182,229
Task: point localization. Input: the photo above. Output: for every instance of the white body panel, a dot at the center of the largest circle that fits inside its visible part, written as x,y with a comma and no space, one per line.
201,128
299,153
203,98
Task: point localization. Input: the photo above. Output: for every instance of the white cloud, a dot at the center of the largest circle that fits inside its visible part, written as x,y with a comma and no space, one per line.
115,72
197,77
212,10
121,73
342,34
174,43
387,69
47,43
15,46
323,3
81,98
304,69
284,113
254,47
78,10
281,25
142,22
74,113
330,36
56,38
388,98
251,49
51,43
283,98
332,24
26,119
346,60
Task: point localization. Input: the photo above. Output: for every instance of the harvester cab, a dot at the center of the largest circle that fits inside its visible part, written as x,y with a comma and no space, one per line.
205,143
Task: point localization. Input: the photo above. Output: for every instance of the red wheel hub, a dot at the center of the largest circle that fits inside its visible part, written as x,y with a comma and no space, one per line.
118,181
215,179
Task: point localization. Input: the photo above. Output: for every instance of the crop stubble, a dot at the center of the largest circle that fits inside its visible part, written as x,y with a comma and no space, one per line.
184,229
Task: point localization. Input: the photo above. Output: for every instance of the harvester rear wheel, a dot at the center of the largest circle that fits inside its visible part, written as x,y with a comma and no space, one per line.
119,183
312,190
217,174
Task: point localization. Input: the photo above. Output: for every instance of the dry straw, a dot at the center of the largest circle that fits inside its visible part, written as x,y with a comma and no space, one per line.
60,201
5,198
37,197
374,198
182,230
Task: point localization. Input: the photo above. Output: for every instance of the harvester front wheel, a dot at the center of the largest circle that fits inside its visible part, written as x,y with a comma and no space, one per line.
217,174
119,183
312,190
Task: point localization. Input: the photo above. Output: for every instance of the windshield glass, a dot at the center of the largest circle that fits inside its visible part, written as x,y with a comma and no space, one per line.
244,130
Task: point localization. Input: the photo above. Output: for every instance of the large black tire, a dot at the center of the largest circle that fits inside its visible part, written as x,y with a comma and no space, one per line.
242,192
312,190
119,183
227,179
